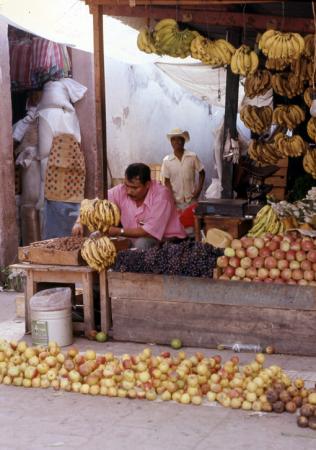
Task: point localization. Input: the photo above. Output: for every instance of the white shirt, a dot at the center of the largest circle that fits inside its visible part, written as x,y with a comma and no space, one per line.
182,174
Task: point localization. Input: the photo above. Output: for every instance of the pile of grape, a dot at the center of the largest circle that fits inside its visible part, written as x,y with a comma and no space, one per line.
192,259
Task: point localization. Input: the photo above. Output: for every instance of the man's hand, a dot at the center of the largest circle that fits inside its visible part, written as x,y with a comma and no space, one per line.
95,235
77,230
114,231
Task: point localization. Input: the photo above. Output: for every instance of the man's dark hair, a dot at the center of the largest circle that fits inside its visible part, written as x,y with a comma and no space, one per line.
138,170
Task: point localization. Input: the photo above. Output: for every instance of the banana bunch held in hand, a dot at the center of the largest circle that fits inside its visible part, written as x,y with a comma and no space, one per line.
277,45
309,162
264,153
311,128
266,221
99,253
290,146
309,46
99,214
257,118
244,61
257,83
216,53
288,116
287,84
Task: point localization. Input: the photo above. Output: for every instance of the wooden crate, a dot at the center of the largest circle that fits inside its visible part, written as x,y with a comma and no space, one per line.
279,180
236,226
42,255
206,313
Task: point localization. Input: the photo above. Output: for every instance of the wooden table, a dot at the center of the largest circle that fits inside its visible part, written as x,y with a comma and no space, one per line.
49,273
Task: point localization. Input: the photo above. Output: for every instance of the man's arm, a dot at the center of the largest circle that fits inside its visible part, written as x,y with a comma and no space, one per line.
128,232
198,189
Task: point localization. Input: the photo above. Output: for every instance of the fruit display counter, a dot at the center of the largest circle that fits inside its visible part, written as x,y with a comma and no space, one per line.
204,312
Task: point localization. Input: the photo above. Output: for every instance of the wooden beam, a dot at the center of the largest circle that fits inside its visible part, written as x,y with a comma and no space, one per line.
100,97
202,3
230,119
213,17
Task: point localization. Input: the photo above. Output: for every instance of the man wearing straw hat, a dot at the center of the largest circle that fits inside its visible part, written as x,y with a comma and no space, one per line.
179,170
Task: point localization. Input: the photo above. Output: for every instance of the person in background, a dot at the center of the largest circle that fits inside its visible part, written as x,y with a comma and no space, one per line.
179,170
148,211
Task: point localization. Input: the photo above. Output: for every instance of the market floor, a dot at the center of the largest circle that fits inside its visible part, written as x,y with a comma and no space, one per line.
39,419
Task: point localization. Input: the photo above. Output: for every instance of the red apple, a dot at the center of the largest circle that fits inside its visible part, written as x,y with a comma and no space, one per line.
282,264
229,271
296,245
308,275
274,273
300,255
307,244
264,252
251,273
240,272
273,245
286,274
314,267
246,241
234,261
252,251
263,273
294,265
258,242
277,237
279,280
258,262
291,282
270,262
311,256
285,245
290,255
306,265
240,252
222,261
297,274
302,282
236,243
245,263
279,254
224,277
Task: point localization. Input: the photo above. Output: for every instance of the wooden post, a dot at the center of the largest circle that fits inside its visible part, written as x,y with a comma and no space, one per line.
231,108
100,96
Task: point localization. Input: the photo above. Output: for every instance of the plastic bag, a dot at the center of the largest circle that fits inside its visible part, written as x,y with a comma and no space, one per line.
214,190
51,299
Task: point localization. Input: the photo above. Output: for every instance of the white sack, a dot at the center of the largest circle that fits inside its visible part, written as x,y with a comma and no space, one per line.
61,94
30,176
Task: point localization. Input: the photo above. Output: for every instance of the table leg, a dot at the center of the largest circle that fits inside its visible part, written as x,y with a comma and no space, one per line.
88,310
30,290
105,304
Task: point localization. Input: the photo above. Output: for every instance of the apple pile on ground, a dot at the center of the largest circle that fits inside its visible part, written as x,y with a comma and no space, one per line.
271,258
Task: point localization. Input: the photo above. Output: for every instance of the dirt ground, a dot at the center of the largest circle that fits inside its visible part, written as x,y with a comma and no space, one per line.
40,419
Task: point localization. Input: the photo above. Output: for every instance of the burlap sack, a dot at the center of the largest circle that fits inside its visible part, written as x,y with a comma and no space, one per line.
65,174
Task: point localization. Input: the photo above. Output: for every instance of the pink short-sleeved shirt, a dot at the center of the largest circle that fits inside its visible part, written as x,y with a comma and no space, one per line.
157,215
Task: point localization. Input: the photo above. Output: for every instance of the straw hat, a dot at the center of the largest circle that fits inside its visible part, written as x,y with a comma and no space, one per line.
176,132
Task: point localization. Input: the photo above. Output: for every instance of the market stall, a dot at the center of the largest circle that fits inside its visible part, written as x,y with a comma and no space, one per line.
279,60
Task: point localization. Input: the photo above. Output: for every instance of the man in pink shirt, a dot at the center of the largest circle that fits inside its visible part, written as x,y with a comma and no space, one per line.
148,211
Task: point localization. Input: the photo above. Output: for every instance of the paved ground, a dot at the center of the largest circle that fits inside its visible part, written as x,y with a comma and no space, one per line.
37,419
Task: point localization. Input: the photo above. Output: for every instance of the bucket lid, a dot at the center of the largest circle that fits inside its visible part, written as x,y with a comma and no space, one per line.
51,299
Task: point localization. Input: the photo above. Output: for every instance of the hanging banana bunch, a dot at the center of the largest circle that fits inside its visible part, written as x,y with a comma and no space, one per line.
257,118
217,53
311,128
309,162
257,83
290,146
244,61
277,45
289,116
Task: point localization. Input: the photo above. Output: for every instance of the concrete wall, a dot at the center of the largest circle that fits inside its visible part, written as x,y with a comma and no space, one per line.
143,104
8,225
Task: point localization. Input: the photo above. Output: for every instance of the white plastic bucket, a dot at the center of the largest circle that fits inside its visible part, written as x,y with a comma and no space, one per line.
51,318
52,326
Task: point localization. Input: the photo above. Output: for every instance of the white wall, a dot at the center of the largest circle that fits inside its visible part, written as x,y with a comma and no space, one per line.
143,104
